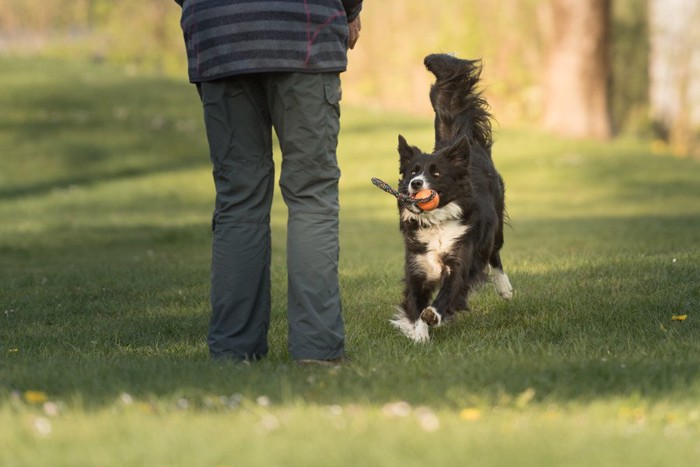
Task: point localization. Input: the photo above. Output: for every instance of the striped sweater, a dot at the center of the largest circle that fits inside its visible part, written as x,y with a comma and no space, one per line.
231,37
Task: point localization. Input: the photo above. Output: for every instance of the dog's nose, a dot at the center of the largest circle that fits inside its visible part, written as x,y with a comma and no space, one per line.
416,184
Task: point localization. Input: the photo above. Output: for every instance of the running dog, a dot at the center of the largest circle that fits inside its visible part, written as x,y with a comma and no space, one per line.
453,247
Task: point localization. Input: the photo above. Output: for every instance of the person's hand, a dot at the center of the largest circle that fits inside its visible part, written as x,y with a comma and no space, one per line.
354,27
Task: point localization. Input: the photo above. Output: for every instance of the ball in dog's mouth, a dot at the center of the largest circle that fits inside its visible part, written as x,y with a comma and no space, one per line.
427,205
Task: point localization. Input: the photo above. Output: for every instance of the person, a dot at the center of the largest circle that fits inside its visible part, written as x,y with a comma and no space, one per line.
258,66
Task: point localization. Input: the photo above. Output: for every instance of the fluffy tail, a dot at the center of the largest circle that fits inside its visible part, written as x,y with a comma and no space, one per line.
459,107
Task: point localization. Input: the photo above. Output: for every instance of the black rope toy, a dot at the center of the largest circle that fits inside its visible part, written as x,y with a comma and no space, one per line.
410,203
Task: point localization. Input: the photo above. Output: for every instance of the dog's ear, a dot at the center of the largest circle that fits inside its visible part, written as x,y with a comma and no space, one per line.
406,151
404,148
459,151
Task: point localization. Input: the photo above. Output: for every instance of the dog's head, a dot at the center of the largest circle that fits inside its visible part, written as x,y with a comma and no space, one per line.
444,171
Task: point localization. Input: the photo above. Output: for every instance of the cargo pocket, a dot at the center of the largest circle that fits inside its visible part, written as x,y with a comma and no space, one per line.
220,132
333,93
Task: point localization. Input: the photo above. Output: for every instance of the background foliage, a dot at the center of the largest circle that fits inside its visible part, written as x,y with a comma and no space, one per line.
386,69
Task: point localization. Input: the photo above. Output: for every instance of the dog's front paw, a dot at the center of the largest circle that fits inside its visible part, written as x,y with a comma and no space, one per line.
431,317
503,287
416,331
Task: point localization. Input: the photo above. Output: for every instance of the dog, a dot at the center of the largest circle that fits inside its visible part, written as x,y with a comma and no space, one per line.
456,246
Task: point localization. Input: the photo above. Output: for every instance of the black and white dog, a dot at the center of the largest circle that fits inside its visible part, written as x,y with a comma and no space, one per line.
453,247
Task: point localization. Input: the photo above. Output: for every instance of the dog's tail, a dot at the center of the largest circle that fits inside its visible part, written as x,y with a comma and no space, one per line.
457,102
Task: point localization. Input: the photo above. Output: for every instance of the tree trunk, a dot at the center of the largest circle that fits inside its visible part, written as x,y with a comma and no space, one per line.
577,71
674,71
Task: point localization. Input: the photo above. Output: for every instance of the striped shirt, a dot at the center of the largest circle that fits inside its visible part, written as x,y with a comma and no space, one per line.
232,37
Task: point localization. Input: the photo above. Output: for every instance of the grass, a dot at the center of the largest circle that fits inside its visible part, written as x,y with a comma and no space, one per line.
105,201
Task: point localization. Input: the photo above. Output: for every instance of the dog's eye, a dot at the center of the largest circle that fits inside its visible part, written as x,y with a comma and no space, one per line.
434,171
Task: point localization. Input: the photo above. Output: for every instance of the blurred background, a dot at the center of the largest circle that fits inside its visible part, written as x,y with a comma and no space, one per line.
584,69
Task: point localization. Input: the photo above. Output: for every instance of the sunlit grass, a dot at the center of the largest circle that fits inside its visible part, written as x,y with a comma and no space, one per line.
105,205
404,434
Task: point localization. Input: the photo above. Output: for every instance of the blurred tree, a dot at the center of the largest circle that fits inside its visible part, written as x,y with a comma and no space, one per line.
386,69
577,71
675,72
629,62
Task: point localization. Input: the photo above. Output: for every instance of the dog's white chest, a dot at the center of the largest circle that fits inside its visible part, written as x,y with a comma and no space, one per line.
439,240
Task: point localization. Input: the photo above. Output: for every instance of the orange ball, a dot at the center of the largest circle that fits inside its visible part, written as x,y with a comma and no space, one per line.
428,205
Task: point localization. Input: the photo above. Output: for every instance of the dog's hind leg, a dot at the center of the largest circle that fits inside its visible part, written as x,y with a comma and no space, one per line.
499,278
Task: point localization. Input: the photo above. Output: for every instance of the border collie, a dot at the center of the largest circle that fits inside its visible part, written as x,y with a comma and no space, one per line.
453,247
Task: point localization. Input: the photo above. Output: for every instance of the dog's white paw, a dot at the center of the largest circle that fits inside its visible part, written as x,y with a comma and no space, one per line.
431,317
503,287
417,332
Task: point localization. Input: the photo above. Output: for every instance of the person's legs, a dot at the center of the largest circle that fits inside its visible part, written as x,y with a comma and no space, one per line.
239,134
305,113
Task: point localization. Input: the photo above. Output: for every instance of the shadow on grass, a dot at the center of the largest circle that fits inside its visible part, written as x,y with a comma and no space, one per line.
112,128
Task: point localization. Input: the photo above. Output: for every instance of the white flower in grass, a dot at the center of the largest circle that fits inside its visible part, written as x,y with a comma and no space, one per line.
269,422
209,402
126,398
263,401
235,400
399,409
427,419
42,426
51,408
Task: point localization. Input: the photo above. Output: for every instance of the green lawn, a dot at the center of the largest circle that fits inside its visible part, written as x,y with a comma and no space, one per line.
105,204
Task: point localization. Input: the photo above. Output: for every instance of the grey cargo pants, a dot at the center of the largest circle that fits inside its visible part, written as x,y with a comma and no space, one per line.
240,113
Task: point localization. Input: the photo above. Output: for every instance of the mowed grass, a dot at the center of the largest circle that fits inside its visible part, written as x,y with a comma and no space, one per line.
105,205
